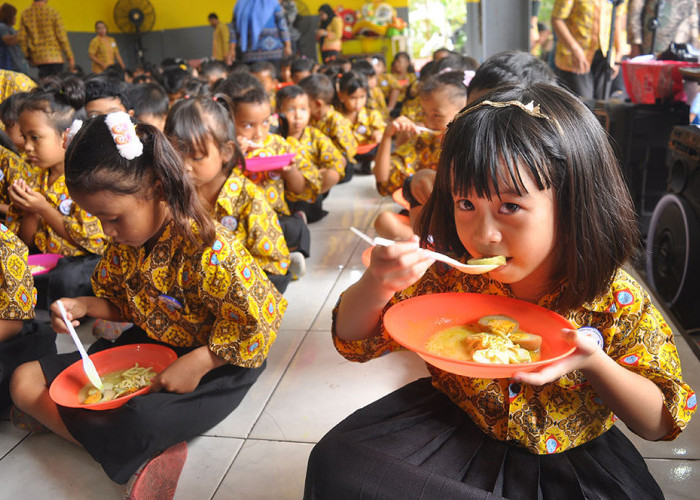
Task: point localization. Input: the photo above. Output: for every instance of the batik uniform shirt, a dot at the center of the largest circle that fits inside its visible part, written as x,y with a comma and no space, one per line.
388,82
83,228
271,181
17,293
367,122
241,207
404,84
105,50
12,82
220,42
421,152
377,102
42,36
589,24
189,297
413,110
568,412
14,167
339,129
319,150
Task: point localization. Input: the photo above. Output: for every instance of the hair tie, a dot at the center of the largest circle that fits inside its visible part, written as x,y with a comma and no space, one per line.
468,75
445,70
74,128
183,67
124,134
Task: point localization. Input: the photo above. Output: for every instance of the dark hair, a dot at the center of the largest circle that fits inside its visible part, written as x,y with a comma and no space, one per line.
511,67
287,61
351,82
60,100
100,22
191,122
569,152
212,66
99,87
10,108
6,142
173,77
7,12
288,92
399,55
94,164
149,99
256,95
115,72
237,84
328,10
195,87
262,66
441,49
301,64
318,86
365,67
451,81
212,16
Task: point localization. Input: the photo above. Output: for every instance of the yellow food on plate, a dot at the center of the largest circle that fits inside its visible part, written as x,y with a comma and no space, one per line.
36,268
493,339
498,260
117,384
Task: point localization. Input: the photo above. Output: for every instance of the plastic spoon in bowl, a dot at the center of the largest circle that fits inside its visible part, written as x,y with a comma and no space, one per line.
465,268
88,365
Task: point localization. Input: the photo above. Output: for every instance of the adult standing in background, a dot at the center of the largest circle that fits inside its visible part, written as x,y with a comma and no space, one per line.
220,41
677,22
11,57
44,40
289,7
329,33
103,50
583,33
260,31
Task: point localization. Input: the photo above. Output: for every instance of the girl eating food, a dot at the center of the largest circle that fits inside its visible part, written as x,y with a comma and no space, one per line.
519,168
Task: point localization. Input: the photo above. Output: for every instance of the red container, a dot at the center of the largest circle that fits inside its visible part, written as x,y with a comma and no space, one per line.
649,81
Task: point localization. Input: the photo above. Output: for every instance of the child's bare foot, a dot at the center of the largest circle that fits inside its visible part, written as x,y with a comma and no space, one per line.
157,479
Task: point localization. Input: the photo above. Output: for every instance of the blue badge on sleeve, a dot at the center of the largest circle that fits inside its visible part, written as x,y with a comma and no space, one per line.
594,333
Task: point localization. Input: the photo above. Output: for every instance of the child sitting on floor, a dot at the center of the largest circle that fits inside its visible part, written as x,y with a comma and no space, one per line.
514,176
203,131
185,282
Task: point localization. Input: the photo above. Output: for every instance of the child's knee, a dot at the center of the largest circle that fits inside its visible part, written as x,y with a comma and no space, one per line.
26,380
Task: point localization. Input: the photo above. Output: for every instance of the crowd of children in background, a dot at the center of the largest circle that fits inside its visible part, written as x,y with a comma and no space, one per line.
128,221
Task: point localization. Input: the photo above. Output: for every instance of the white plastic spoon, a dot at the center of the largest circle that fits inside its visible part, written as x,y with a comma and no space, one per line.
421,128
465,268
88,365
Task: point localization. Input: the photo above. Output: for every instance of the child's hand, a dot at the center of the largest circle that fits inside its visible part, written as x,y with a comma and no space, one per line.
244,144
398,266
377,136
75,309
586,350
184,374
422,185
26,199
401,125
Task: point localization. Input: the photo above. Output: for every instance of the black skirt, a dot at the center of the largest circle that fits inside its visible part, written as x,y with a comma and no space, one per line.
70,278
123,438
296,234
416,443
34,341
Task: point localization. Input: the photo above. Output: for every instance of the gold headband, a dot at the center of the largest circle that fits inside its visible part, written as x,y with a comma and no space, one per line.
531,109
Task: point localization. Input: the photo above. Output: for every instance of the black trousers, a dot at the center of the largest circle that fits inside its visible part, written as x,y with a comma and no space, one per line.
592,84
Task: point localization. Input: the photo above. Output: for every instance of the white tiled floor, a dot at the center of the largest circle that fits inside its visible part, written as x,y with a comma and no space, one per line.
260,450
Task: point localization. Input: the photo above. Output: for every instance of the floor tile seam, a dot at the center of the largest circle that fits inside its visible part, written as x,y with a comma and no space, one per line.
228,469
15,446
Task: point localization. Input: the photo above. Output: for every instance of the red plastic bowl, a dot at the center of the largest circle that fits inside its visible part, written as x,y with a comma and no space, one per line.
46,260
64,389
397,196
647,81
366,256
363,149
413,321
263,163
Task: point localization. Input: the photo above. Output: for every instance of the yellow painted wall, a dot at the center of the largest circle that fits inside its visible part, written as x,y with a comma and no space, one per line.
80,15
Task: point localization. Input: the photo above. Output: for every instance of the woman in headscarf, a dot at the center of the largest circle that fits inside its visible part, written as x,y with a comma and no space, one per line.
330,33
260,31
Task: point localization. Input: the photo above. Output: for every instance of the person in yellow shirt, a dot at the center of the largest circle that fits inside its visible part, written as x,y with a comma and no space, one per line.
44,40
219,47
103,50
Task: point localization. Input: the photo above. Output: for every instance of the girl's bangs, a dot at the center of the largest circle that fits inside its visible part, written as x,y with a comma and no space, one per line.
191,132
488,153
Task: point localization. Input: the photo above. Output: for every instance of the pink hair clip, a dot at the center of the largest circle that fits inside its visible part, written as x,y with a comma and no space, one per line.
124,134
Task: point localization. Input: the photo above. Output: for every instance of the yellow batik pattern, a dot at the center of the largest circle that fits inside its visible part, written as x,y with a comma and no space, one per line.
14,167
417,154
241,207
339,130
105,50
579,17
368,121
12,82
568,412
42,37
388,82
187,297
83,228
272,182
413,110
404,84
320,150
377,102
17,293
